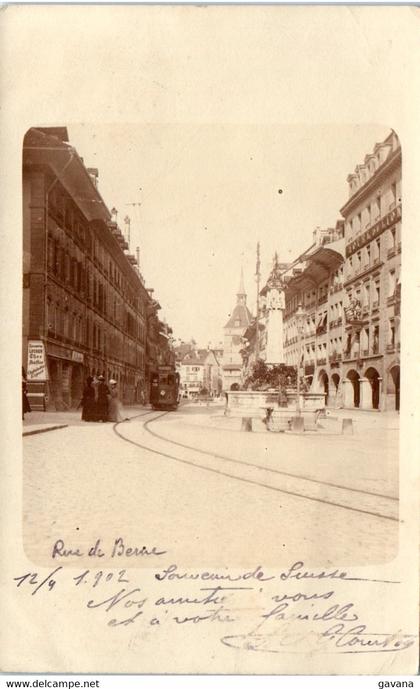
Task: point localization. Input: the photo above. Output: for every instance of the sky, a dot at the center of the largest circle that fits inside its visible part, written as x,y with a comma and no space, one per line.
201,114
209,193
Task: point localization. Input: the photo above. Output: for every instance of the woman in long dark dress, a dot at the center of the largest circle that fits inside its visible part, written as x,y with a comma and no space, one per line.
88,401
102,400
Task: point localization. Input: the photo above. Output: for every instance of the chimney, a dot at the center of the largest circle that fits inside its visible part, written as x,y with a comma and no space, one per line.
127,222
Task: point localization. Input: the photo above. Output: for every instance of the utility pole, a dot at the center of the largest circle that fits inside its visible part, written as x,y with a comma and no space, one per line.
136,209
258,276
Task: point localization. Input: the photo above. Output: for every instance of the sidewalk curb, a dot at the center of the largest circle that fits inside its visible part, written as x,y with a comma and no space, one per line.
45,430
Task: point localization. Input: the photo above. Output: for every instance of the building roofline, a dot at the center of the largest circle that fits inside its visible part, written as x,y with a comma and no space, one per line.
387,166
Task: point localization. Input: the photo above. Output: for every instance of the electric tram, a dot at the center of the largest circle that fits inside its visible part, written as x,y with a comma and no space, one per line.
164,390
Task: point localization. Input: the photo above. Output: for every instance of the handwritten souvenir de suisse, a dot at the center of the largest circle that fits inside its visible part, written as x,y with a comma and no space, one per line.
214,213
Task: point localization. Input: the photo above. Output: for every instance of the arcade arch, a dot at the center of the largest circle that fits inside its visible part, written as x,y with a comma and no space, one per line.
395,377
353,389
323,384
374,379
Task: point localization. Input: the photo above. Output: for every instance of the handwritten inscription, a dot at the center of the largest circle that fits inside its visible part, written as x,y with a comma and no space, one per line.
118,549
294,610
172,573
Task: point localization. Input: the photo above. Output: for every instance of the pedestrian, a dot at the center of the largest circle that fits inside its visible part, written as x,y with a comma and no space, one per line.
115,410
102,400
26,407
95,384
88,401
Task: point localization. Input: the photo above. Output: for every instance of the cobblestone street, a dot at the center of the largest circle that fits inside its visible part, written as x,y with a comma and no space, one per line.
206,493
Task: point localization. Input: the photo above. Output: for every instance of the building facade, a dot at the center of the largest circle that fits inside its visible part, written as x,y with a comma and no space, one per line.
212,372
233,331
316,283
192,375
372,282
348,283
85,305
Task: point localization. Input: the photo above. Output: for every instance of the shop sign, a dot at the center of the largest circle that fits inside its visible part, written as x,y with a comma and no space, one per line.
353,312
77,356
37,364
374,231
58,352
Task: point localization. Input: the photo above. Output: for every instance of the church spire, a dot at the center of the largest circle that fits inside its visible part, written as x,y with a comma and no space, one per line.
241,294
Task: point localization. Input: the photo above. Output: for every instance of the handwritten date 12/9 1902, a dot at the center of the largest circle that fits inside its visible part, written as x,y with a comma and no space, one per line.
294,611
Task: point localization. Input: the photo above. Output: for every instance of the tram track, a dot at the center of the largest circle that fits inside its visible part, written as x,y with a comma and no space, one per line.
295,485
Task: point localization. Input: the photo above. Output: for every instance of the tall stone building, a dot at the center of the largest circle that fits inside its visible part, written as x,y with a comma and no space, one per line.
315,282
86,309
348,284
234,330
372,216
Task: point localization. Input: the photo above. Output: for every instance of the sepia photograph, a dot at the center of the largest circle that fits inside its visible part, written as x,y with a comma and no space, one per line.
207,383
210,464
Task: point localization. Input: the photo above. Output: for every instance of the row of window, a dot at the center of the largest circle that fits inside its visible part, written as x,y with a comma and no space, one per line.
63,209
374,210
71,326
371,163
318,295
94,289
369,293
366,341
371,253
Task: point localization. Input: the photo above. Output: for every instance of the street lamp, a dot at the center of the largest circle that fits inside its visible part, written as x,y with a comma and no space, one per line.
299,318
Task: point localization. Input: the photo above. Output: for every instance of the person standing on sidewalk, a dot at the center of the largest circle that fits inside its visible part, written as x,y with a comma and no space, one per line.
88,401
115,412
102,402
